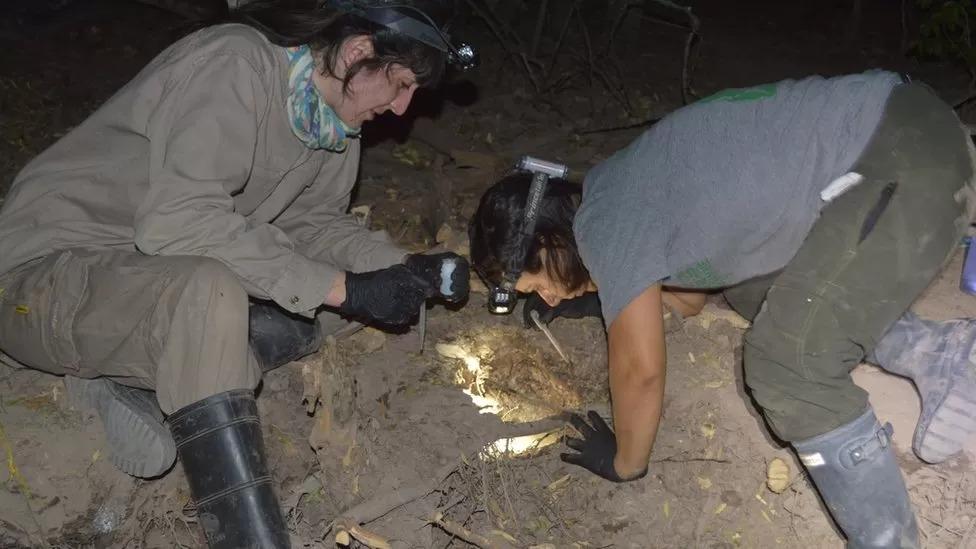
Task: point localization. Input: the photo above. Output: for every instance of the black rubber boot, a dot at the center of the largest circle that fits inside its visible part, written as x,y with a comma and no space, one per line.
278,337
855,471
219,442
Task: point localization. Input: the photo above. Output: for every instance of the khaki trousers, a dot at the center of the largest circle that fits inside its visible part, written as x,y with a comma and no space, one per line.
174,324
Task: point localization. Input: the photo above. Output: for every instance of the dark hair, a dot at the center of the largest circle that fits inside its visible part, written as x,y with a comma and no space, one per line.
291,23
495,232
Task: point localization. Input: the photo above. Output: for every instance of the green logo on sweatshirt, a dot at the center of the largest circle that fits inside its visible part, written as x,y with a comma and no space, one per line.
742,94
699,275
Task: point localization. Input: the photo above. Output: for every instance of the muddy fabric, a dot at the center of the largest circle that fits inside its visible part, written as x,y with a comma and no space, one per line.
725,189
939,359
174,324
196,156
850,280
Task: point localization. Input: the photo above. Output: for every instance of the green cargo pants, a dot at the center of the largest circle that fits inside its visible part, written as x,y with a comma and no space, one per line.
873,250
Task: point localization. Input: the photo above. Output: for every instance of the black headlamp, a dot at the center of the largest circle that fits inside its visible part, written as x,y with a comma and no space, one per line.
392,15
502,298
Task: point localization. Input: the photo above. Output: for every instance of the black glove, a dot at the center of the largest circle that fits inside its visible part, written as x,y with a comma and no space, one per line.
433,268
390,296
596,449
583,306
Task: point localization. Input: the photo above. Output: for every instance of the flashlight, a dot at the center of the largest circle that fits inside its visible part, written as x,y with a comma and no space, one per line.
464,57
502,299
422,28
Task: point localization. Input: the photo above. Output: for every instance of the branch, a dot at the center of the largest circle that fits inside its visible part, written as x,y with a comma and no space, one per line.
694,25
500,29
455,529
540,21
562,36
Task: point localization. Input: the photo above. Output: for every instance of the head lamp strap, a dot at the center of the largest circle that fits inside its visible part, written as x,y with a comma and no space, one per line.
536,191
389,16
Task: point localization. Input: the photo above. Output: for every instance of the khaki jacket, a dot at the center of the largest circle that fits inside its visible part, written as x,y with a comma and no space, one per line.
195,156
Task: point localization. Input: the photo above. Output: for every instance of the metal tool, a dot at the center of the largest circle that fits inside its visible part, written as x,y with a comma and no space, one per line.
502,298
534,315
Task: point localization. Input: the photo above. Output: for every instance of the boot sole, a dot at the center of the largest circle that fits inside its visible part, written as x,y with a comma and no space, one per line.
140,444
952,423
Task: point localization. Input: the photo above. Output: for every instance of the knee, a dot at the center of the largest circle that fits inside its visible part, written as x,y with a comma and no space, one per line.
214,285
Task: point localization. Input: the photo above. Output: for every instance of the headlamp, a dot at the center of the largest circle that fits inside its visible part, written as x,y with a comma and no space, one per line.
502,298
423,29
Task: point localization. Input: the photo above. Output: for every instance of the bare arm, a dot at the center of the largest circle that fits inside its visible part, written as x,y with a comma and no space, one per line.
637,373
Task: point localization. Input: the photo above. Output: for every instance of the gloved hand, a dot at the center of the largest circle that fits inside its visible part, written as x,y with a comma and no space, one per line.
596,449
447,274
583,306
390,296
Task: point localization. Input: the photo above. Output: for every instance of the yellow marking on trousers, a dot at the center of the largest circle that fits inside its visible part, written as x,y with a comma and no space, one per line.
22,309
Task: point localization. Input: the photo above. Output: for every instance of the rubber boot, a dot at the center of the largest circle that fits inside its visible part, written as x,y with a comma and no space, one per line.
139,444
939,359
220,444
855,471
278,337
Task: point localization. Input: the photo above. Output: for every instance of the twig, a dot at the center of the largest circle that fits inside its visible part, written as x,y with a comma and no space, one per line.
344,529
694,26
383,504
942,527
495,542
674,459
634,126
562,36
485,489
500,29
508,499
615,25
594,69
962,102
540,20
545,329
22,488
904,26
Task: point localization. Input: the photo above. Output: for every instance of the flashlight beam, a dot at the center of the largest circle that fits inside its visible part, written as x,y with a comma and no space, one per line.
545,329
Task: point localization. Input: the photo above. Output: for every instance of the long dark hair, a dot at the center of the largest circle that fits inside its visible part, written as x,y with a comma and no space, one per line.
495,232
297,22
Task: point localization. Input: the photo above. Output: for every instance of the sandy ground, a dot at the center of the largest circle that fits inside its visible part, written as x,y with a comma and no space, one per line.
404,438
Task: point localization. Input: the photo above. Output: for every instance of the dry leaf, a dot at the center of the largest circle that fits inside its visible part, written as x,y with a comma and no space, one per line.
777,475
311,386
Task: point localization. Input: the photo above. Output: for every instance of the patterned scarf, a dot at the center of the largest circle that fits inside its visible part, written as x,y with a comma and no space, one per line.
312,119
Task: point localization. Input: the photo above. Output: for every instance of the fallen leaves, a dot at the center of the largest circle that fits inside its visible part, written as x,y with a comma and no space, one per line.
777,476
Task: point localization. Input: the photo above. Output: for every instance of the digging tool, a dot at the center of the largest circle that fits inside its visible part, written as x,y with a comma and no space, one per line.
534,315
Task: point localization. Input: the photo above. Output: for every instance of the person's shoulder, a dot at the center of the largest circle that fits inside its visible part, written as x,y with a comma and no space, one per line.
232,39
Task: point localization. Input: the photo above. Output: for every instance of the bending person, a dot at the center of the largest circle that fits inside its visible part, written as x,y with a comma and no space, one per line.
743,192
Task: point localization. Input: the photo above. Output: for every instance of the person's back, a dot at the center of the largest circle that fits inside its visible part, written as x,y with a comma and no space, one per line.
724,189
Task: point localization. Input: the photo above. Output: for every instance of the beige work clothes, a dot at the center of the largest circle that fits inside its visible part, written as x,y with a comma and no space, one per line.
175,324
194,157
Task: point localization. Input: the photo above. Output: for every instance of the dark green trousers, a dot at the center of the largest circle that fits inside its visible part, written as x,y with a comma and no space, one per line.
873,250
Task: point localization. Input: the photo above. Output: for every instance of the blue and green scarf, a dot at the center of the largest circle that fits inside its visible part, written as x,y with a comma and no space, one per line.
312,120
